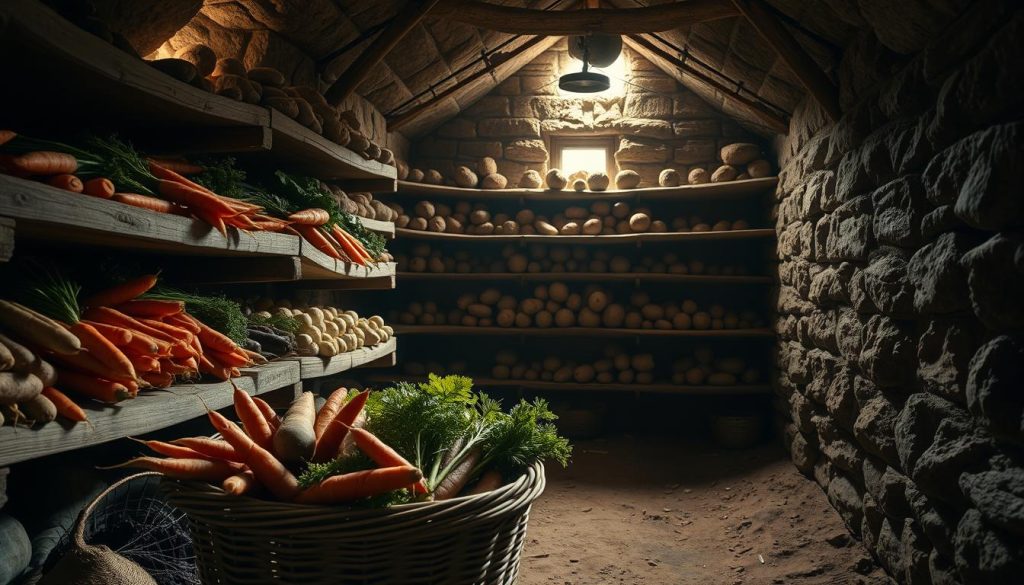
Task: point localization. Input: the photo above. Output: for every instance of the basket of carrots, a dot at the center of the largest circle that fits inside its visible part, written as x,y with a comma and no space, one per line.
413,484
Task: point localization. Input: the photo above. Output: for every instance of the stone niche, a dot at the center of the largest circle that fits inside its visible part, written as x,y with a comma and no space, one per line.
654,121
901,334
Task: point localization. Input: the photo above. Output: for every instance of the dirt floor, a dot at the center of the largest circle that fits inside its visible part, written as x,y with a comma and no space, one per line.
661,511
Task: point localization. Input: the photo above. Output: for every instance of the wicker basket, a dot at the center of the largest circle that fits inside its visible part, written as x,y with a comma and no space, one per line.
462,541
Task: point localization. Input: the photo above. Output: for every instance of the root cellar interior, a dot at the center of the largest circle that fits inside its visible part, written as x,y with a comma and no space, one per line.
543,292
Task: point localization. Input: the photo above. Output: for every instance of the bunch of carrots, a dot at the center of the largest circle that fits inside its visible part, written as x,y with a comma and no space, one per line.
111,169
258,457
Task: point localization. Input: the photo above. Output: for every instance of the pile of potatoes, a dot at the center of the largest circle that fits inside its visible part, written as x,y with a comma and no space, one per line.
538,258
556,305
198,65
741,160
703,368
616,366
484,175
328,331
600,218
364,205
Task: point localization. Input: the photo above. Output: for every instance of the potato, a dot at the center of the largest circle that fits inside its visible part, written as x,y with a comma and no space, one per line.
724,174
740,153
597,301
698,176
627,179
579,185
484,229
510,227
701,320
589,318
563,374
643,362
507,302
416,176
584,373
658,227
525,217
565,318
479,310
479,216
505,318
424,209
652,312
555,180
545,229
494,181
634,320
740,224
592,227
522,320
417,223
486,166
543,319
681,321
620,210
627,376
570,229
695,376
759,168
639,222
613,316
436,224
465,177
598,181
500,371
574,302
530,180
722,379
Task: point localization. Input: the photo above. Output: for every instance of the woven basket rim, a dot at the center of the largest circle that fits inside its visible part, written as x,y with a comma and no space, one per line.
528,486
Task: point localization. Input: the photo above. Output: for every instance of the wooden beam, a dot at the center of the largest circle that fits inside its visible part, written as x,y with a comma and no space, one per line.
792,54
765,116
408,17
526,21
398,121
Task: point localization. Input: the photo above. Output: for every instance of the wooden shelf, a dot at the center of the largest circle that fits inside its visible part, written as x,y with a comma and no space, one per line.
6,238
319,266
711,191
588,276
150,411
577,331
385,228
379,356
53,215
750,234
656,388
110,84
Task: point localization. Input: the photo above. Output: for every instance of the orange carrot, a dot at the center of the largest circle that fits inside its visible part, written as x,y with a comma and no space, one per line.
143,364
330,440
214,339
329,410
142,344
119,336
181,167
216,448
66,182
270,472
183,321
350,250
381,454
65,406
119,366
84,363
234,359
146,202
158,379
252,419
195,199
314,236
151,309
312,216
268,413
359,484
98,388
217,371
175,332
166,174
123,292
99,187
187,469
337,247
172,450
240,483
45,163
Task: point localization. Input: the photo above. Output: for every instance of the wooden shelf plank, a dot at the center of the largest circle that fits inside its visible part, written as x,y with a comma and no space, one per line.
99,74
311,153
386,228
577,331
656,388
319,266
150,411
717,191
750,234
318,367
51,214
588,276
6,238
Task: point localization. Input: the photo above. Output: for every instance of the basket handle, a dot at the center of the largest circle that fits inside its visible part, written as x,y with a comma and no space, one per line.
79,537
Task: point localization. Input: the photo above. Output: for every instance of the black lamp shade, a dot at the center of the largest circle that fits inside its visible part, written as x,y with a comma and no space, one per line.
583,82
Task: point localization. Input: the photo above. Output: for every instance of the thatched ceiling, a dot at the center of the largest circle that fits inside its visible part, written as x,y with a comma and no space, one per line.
438,47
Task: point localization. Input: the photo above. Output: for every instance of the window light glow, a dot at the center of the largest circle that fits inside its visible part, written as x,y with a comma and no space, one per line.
591,160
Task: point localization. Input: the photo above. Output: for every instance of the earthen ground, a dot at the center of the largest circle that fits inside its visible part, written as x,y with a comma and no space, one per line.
660,511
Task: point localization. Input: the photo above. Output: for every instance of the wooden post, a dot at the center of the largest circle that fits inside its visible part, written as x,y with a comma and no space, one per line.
400,120
770,119
792,54
408,17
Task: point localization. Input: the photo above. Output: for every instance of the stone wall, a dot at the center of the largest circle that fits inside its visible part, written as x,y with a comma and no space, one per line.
901,301
657,123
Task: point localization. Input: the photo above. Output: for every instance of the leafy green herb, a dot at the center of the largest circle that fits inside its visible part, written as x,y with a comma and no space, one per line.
51,294
223,177
220,313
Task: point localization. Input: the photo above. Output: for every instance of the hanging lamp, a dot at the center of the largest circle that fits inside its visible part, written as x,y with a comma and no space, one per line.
597,50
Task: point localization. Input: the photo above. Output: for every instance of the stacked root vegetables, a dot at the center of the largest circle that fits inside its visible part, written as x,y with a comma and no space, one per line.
328,331
600,218
703,367
539,258
558,305
108,350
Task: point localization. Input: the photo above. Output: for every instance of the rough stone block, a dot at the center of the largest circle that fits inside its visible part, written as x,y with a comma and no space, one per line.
696,128
849,334
916,424
537,85
916,550
846,499
479,149
937,275
887,284
647,128
941,570
996,281
944,352
489,106
646,105
940,220
892,494
937,520
694,151
899,206
999,496
874,428
955,450
994,386
641,151
508,127
985,554
983,201
890,548
526,150
458,128
803,453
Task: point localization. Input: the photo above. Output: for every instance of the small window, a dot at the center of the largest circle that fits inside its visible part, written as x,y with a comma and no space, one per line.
593,154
